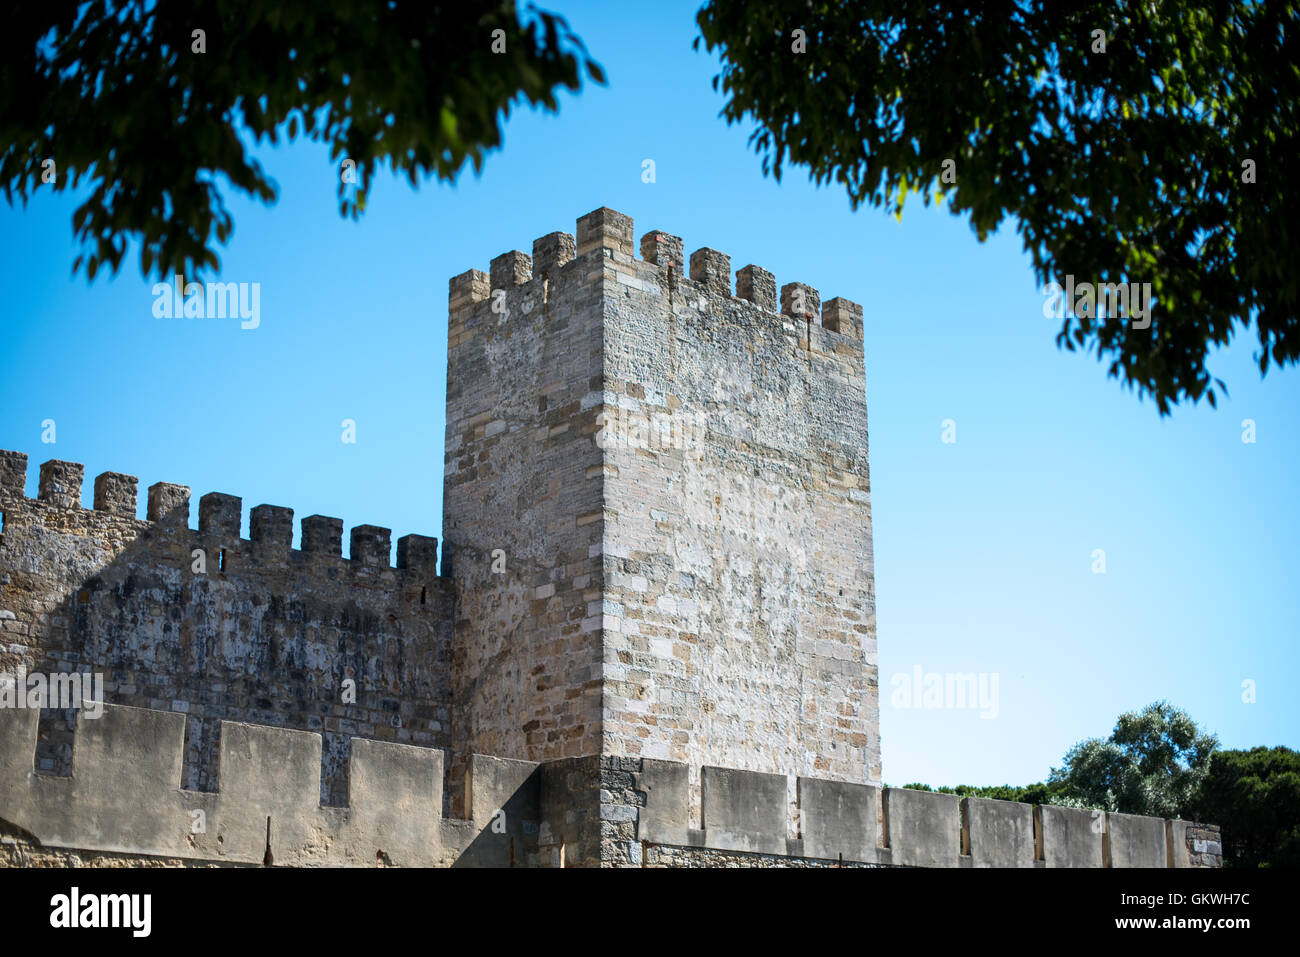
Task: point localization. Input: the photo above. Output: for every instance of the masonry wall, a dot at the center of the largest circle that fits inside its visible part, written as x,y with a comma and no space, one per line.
124,800
740,618
522,512
676,478
124,804
265,634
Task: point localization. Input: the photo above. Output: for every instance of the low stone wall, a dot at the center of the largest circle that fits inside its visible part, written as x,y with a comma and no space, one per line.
124,797
124,805
747,813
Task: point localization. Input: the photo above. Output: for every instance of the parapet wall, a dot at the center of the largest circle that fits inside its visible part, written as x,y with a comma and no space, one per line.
750,813
125,797
220,627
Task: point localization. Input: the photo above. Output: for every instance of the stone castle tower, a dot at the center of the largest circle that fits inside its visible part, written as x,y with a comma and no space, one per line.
675,476
652,640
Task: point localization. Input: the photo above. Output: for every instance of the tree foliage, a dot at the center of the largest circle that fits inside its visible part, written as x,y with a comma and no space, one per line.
1254,797
1152,763
1122,165
118,94
1040,793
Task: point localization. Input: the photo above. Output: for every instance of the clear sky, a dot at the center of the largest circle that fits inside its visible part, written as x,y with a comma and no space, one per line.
984,547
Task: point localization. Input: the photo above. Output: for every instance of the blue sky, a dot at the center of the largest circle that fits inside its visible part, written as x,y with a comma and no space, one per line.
984,547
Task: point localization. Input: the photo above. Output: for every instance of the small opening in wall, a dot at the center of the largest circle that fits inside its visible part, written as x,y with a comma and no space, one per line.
964,809
424,594
268,859
221,561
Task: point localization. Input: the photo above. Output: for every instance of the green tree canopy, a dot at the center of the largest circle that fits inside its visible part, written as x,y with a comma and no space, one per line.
1040,793
1254,797
122,95
1117,165
1152,763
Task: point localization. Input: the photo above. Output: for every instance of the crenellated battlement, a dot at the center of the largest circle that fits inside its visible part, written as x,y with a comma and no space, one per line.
125,796
611,233
220,626
220,517
748,812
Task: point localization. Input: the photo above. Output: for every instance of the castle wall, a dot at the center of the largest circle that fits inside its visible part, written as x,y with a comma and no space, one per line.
653,643
124,803
125,797
264,634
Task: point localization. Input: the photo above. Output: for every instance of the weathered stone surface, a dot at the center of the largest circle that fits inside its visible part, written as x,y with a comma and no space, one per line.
322,535
840,820
116,493
744,810
168,502
1072,837
60,483
510,269
737,613
13,473
271,526
842,316
758,286
801,301
1137,841
551,252
1001,833
665,819
1196,845
605,229
663,249
712,270
924,827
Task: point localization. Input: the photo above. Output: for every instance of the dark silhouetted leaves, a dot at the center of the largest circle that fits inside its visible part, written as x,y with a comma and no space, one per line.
1117,166
112,92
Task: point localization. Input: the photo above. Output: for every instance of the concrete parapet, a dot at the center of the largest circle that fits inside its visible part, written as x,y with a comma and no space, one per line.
1137,841
1072,837
744,810
124,796
999,833
923,827
839,820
